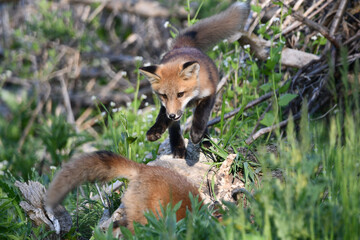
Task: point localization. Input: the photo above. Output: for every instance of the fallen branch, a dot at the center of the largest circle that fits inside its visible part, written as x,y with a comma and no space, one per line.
34,194
67,104
113,58
289,57
261,118
109,190
84,99
335,24
140,7
223,82
314,25
339,14
353,38
296,117
235,111
308,14
263,131
35,114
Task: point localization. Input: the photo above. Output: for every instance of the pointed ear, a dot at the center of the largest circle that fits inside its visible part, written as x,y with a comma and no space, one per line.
150,73
190,69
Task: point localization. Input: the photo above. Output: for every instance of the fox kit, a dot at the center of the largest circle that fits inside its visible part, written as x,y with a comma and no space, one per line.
187,76
149,186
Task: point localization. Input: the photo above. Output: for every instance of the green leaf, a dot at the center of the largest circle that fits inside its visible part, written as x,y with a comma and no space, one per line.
230,93
322,41
10,99
266,87
286,98
254,83
268,119
126,233
256,8
246,172
284,87
130,89
277,77
130,140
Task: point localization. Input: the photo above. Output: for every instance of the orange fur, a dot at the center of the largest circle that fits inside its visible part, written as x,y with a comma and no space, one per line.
149,185
207,32
166,78
187,76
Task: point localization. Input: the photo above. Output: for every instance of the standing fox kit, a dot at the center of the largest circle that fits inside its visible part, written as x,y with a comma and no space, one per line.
149,186
187,76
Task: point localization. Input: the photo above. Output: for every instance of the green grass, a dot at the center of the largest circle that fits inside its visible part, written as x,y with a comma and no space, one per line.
314,196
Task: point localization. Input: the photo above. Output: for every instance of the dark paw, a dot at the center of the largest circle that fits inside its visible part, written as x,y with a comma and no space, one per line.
179,152
196,136
154,134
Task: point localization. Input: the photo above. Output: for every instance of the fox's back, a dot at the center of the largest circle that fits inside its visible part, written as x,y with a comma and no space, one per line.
157,185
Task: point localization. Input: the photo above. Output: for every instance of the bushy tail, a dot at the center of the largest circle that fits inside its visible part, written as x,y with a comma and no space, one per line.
209,31
100,166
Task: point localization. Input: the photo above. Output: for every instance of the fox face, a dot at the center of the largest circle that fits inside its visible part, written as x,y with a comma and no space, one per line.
175,84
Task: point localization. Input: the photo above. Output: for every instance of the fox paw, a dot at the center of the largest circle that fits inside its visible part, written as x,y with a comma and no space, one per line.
196,136
179,152
154,134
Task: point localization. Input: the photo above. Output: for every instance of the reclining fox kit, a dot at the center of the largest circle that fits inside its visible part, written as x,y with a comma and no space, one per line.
187,76
149,186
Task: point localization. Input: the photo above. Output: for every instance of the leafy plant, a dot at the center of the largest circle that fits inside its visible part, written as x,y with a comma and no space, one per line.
60,139
52,25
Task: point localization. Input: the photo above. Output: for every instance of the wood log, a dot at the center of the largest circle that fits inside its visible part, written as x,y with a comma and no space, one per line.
34,194
141,7
289,57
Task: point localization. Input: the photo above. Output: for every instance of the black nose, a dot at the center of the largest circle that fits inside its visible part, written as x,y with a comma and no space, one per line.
172,116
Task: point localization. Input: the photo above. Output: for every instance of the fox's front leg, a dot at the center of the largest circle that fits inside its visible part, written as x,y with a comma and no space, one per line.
177,143
160,126
201,118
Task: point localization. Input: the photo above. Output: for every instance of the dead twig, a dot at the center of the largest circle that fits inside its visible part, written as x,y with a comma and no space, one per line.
325,114
289,57
223,82
295,8
35,114
282,124
97,11
261,118
44,82
308,13
257,19
142,8
263,131
65,93
339,14
235,111
314,25
336,21
353,38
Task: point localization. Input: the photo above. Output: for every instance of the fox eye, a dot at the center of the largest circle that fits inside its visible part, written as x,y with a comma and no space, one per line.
163,96
180,94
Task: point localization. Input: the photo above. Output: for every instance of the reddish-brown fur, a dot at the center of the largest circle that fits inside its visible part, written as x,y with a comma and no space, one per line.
186,75
149,186
166,78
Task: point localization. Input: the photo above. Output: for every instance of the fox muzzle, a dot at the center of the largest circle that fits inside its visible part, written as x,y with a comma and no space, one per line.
175,117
